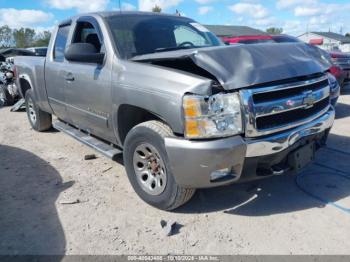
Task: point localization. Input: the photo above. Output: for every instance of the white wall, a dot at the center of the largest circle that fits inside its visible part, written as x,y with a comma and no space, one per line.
328,44
345,48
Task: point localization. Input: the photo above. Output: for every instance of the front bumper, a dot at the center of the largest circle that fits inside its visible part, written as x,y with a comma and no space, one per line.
193,162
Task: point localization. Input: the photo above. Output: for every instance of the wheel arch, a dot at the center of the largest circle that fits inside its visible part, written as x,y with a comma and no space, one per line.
128,116
24,85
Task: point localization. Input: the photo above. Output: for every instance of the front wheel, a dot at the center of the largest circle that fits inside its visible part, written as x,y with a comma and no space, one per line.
148,168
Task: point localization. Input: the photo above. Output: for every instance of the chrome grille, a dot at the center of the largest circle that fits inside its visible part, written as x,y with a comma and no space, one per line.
271,109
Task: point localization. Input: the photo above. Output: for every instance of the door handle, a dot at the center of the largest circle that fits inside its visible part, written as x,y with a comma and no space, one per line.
69,77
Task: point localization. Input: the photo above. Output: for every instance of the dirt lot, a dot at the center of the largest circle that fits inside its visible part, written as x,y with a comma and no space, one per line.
41,173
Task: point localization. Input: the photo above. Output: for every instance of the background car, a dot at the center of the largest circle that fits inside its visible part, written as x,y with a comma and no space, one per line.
251,39
38,51
340,62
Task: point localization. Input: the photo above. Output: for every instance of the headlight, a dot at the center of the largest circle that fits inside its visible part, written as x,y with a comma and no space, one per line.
334,86
212,116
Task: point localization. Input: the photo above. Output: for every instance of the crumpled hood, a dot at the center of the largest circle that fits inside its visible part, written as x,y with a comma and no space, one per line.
240,66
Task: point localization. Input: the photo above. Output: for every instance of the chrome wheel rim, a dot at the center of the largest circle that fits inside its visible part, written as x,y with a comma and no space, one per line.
149,169
31,111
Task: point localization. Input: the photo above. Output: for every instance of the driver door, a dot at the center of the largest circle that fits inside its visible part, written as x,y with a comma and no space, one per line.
88,85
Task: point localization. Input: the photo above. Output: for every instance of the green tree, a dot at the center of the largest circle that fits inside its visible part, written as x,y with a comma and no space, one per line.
24,37
274,30
157,9
347,34
6,39
42,39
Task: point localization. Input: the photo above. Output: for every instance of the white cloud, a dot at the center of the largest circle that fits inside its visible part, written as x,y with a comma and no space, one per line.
128,7
80,5
203,10
306,11
253,10
284,4
294,27
147,5
319,20
266,22
204,2
16,18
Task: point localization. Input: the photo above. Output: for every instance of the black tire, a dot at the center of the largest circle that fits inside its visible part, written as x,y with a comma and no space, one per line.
40,120
5,98
153,133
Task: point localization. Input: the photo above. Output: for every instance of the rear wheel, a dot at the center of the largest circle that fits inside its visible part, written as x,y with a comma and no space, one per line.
5,98
148,168
38,119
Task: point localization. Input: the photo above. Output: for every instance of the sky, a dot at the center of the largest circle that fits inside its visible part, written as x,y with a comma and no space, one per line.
294,16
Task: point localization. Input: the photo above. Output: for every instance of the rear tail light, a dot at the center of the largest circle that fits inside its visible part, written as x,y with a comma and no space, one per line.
336,71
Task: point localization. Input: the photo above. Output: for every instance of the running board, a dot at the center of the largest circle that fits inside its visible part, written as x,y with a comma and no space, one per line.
100,146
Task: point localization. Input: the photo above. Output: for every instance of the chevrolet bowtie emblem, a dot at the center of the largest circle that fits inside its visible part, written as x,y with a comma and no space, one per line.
309,99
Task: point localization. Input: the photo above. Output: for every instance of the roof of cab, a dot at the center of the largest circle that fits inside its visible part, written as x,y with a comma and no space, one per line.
107,14
133,13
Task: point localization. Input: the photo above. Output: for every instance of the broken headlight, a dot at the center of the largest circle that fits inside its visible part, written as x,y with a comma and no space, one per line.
212,116
334,88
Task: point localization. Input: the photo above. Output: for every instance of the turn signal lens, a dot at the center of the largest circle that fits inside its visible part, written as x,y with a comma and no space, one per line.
191,107
192,128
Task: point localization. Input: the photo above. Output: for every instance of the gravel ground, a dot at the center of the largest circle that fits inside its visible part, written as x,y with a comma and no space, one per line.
42,175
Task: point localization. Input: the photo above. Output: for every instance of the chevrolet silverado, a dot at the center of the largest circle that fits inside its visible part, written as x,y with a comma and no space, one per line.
186,111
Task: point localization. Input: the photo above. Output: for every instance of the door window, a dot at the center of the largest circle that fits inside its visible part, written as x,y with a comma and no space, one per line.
86,33
60,43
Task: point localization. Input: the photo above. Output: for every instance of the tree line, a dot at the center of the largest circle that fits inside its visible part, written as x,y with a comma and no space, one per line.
23,37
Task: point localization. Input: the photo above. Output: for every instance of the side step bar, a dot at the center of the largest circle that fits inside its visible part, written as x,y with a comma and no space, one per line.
100,146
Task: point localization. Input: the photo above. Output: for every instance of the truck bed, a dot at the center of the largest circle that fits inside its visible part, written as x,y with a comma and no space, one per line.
32,70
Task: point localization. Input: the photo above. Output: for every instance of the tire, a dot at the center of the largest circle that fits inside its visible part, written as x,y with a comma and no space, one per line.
38,119
167,194
5,98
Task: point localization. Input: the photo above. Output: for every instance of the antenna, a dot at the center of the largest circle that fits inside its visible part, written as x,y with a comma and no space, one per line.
120,6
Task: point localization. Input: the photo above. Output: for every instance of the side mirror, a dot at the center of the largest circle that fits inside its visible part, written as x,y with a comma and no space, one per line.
83,52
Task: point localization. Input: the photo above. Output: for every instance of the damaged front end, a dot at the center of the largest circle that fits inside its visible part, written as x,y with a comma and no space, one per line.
282,109
240,66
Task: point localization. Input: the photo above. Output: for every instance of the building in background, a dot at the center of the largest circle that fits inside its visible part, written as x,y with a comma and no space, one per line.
327,40
239,34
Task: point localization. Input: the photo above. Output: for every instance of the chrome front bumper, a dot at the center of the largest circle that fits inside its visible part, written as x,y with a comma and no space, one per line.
193,162
277,143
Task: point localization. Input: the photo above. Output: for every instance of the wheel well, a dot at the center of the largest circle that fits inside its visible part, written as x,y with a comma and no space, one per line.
25,86
130,116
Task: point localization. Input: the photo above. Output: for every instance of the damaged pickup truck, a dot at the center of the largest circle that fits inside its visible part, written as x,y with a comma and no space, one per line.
187,111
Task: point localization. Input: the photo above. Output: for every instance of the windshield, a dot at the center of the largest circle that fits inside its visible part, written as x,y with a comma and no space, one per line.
145,34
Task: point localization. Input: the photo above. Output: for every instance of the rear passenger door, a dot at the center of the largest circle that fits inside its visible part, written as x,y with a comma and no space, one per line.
88,85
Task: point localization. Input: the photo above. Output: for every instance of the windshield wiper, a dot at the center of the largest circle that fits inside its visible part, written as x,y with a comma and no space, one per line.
164,49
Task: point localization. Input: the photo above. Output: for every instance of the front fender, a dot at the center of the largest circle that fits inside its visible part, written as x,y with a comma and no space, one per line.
158,90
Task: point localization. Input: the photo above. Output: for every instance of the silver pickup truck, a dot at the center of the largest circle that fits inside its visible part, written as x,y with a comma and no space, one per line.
187,111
